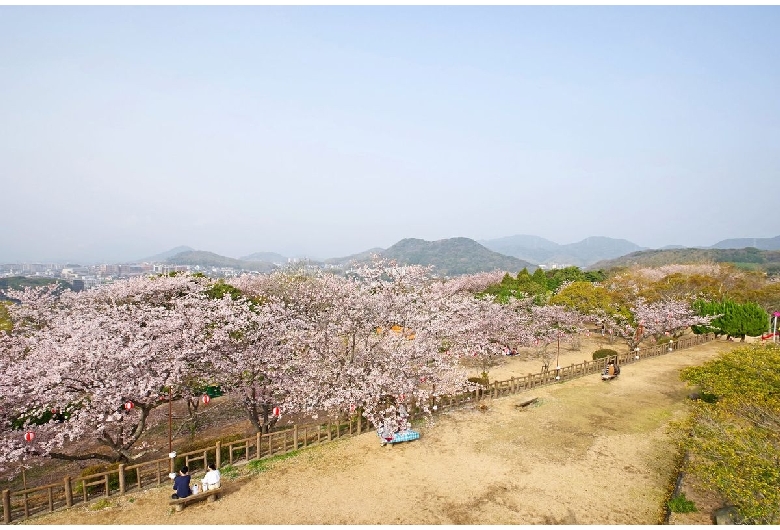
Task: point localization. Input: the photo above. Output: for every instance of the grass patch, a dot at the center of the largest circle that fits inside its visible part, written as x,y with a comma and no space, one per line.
102,504
258,466
229,471
679,504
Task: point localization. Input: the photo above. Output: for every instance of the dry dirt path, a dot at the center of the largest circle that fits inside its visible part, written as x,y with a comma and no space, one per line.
590,452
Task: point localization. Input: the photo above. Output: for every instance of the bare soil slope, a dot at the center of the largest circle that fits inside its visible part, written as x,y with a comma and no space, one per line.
589,452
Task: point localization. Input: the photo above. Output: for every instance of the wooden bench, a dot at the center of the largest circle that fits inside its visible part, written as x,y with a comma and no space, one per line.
210,496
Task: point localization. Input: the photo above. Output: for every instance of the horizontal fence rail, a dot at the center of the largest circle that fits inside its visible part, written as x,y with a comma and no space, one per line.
127,478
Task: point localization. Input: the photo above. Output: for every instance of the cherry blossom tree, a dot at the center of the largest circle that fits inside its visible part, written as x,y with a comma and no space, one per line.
102,359
655,319
252,353
380,333
554,324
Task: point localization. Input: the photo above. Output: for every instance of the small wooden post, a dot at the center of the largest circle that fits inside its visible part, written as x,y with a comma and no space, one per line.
26,508
295,436
495,389
359,423
330,434
121,479
6,506
218,455
257,445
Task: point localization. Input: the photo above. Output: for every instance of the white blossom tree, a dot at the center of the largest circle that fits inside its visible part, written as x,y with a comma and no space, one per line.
102,360
656,319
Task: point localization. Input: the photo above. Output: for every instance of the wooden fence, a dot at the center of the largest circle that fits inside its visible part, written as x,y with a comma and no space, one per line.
127,478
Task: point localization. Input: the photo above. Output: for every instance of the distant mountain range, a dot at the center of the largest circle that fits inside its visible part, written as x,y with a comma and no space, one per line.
209,259
450,257
270,257
462,255
360,256
162,256
545,252
762,243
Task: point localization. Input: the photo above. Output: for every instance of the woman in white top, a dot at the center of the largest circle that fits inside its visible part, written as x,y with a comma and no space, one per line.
212,479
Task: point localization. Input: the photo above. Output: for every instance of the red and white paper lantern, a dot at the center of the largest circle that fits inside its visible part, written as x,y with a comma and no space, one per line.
277,411
29,436
205,399
129,405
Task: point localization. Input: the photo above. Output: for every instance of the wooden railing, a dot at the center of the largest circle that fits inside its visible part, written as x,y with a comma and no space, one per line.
126,478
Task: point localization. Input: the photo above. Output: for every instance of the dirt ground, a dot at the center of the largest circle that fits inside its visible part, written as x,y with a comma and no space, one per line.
589,452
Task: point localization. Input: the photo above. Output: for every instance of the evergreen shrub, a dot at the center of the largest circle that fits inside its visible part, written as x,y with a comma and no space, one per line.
604,352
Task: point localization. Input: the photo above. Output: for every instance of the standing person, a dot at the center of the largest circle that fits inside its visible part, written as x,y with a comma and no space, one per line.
212,479
182,484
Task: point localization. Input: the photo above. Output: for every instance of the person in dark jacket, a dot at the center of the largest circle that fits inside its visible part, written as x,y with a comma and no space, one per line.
181,484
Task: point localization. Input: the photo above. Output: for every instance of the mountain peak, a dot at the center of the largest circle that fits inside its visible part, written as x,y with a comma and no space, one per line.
454,256
168,254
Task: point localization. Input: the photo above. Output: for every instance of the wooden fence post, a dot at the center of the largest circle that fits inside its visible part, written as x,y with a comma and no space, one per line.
6,506
330,434
218,455
121,479
360,423
295,436
68,493
257,444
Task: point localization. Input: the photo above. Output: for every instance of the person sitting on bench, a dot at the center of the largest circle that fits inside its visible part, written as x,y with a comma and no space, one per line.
181,484
212,479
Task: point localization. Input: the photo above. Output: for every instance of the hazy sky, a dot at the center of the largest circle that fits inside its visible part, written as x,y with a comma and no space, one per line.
320,131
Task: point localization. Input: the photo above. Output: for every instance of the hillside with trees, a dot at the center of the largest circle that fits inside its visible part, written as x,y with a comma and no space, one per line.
312,342
453,257
748,258
541,284
449,257
20,282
